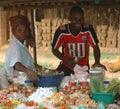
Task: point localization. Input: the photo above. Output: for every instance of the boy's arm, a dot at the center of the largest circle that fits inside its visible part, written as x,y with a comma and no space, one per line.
96,52
60,56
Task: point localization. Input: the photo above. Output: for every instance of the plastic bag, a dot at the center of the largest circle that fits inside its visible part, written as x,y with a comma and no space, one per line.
65,81
81,71
4,81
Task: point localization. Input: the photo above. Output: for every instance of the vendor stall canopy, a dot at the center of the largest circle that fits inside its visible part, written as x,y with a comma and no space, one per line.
6,4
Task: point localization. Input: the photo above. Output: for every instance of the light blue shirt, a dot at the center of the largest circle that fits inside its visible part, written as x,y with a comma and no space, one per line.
17,52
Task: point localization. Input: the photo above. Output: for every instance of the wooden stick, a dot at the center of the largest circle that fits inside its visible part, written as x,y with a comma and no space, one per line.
34,35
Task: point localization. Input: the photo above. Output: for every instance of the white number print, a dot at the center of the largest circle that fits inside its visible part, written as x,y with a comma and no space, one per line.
77,49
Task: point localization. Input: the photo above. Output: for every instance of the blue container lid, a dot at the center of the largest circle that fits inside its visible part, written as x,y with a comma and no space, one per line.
28,81
106,82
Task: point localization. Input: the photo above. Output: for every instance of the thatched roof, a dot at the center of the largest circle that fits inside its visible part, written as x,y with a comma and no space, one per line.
58,3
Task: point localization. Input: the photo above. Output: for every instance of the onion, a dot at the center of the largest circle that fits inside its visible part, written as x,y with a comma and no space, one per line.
10,89
29,90
15,88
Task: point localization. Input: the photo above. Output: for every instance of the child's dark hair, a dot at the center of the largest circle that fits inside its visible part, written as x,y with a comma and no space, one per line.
76,9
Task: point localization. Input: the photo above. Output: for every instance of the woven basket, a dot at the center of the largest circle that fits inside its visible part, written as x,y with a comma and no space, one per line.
49,80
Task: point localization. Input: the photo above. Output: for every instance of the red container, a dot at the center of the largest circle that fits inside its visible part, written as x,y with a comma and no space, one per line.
83,83
72,83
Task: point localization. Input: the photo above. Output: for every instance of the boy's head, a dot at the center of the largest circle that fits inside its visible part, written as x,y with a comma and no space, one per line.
20,27
76,9
76,16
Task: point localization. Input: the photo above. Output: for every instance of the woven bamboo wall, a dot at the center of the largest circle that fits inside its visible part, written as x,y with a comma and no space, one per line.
106,22
3,27
46,29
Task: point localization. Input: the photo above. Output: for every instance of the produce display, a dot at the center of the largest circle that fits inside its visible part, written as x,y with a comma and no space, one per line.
27,91
47,71
75,95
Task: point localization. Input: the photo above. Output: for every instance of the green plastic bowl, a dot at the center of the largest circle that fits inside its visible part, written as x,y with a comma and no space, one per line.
107,98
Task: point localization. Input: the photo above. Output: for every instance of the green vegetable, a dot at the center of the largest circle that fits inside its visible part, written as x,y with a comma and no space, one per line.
41,107
114,86
96,85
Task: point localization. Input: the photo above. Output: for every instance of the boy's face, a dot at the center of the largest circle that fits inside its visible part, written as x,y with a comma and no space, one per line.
21,32
76,20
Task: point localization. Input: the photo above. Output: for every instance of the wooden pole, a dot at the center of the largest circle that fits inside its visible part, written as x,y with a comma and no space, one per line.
119,36
34,35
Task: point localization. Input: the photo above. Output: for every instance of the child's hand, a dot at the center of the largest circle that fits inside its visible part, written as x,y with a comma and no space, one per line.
32,75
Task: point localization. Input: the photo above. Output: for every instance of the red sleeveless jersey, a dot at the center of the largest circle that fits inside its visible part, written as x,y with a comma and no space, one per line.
75,47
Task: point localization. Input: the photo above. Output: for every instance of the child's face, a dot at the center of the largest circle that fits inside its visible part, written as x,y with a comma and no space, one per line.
76,20
21,32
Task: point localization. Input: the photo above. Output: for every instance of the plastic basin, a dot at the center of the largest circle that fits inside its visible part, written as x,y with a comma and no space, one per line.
49,80
107,98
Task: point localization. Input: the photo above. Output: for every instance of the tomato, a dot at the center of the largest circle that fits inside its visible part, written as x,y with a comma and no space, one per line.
63,107
66,87
30,103
10,103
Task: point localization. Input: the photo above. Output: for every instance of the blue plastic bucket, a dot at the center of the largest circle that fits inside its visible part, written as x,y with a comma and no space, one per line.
49,80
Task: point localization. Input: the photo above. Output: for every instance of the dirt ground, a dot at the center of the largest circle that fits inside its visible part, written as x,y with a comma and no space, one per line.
45,57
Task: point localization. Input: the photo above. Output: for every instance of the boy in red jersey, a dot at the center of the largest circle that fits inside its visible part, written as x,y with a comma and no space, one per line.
75,39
